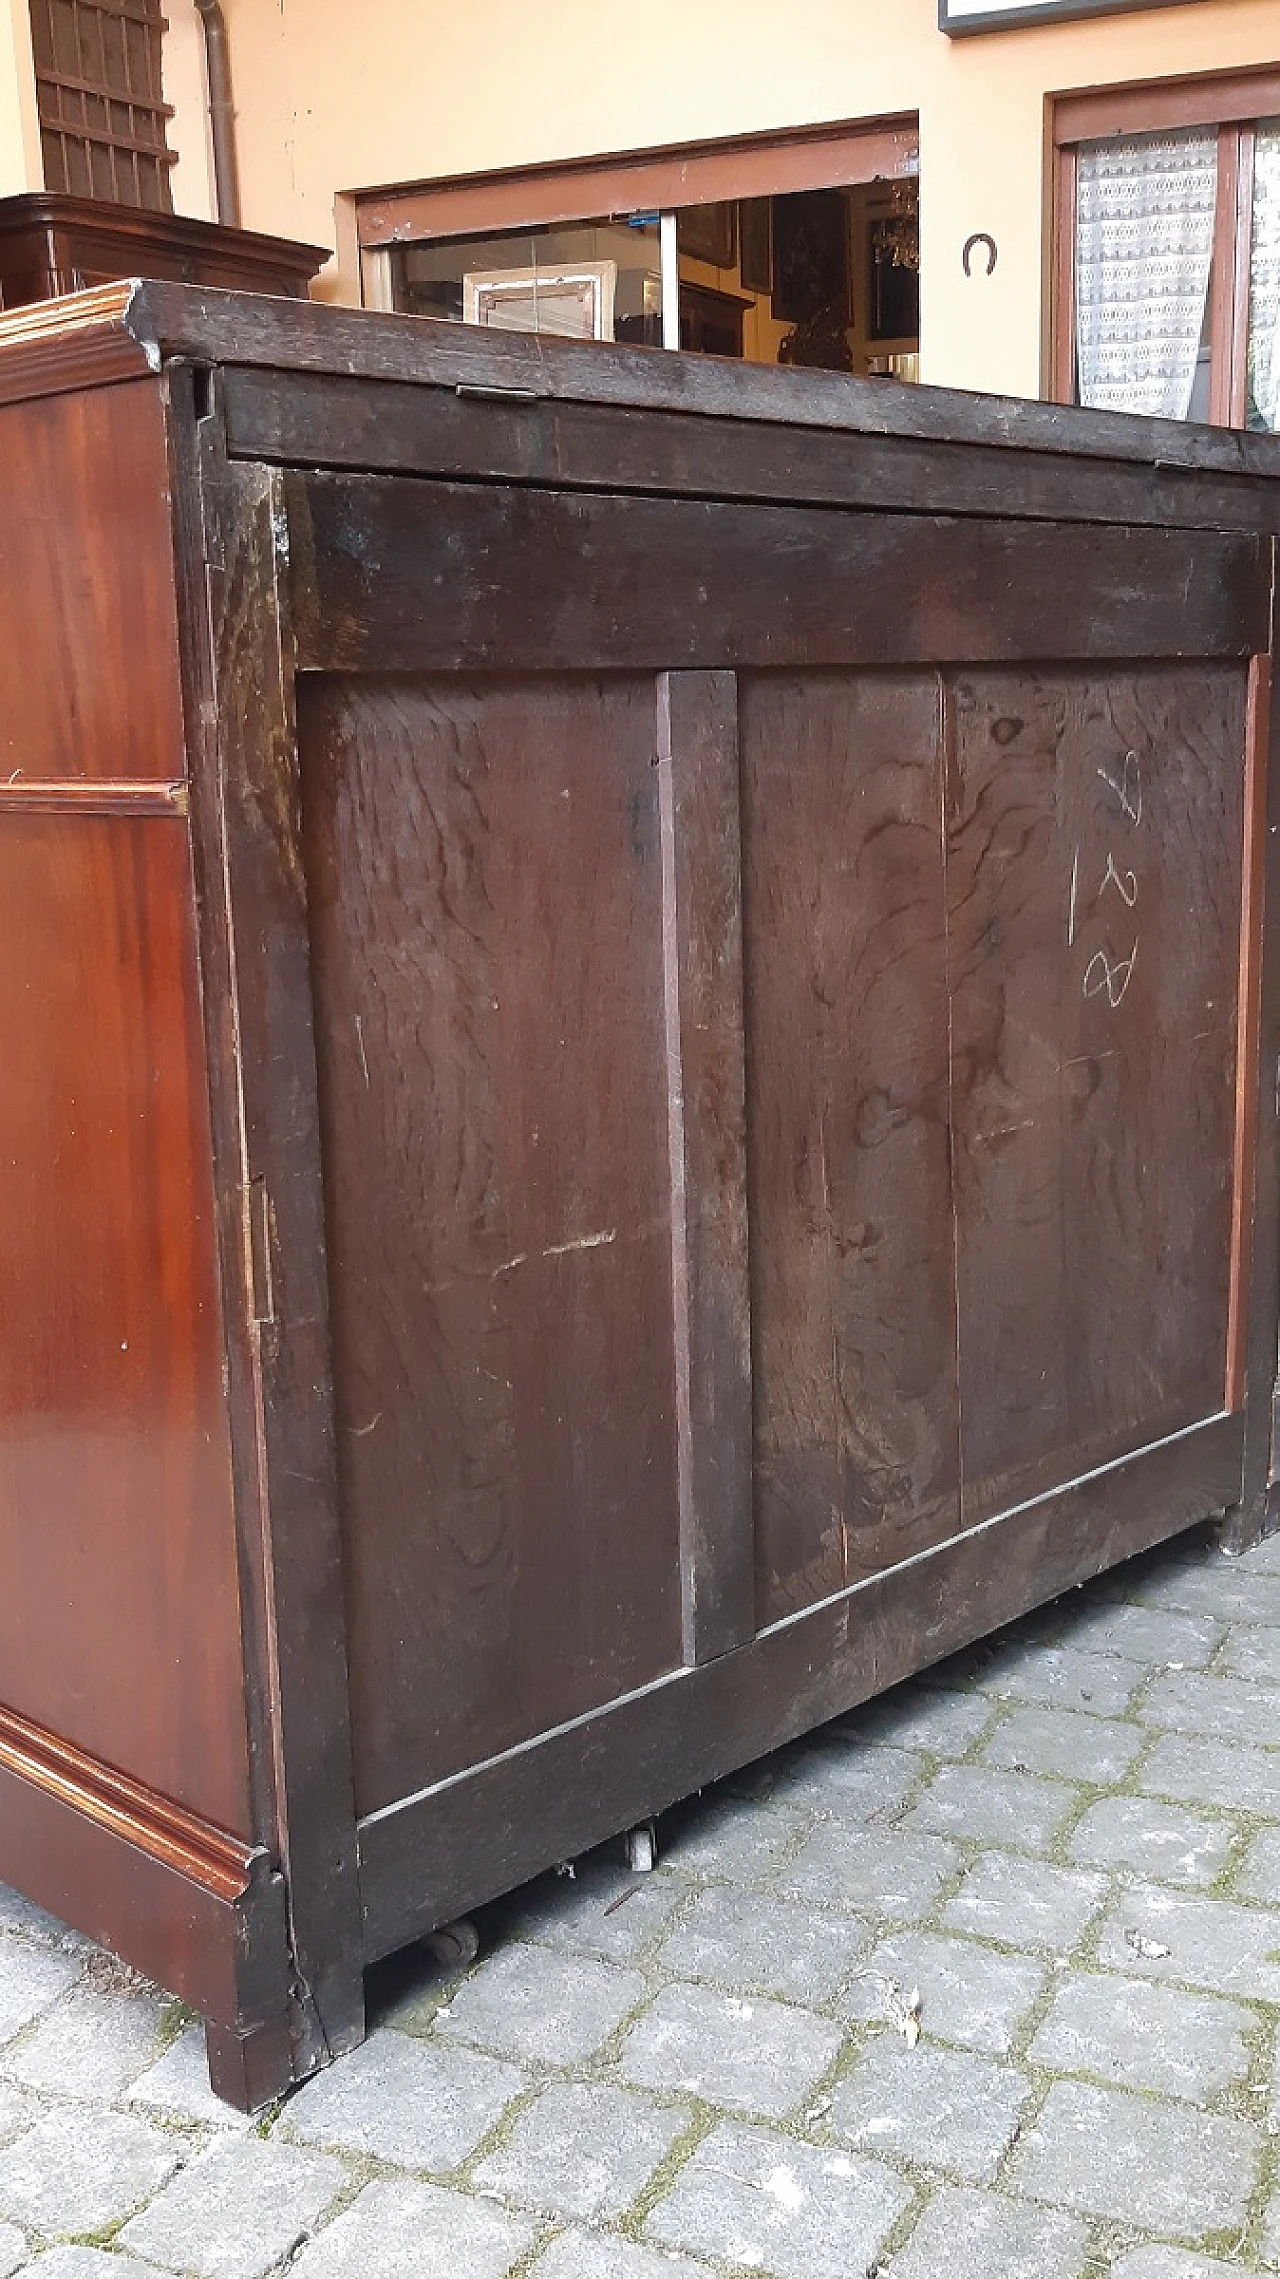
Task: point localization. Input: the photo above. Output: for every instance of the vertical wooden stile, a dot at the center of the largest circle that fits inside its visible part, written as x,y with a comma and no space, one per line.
706,1101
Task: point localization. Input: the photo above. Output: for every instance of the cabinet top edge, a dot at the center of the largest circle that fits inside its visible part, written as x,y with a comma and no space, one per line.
136,326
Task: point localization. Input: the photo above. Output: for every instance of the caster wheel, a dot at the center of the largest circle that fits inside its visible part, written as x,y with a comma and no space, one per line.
455,1945
642,1848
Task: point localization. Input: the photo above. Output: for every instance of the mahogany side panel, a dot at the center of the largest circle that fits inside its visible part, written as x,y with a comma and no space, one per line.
1095,827
119,1619
87,579
852,1265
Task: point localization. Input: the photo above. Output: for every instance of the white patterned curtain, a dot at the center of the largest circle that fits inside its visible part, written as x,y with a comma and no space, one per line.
1264,283
1144,243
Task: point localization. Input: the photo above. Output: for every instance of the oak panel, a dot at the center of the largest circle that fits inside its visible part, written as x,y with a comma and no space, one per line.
1094,897
849,1181
484,881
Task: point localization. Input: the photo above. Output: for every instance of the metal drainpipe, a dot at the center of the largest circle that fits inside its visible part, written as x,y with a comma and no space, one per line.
221,112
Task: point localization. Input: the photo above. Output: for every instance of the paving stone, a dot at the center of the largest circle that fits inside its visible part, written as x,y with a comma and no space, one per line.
1147,1634
722,1837
986,1806
1172,2263
751,2197
755,1943
78,2172
29,1921
851,1780
1252,1653
1229,1709
1212,1942
915,1716
91,2046
405,2101
1105,2152
877,1871
594,2255
583,2150
1143,2036
527,2003
1162,1841
1225,1773
942,2107
1259,1876
13,2249
1269,2246
394,2229
975,2235
31,1980
17,2110
83,2263
1064,1743
1228,1590
1066,1677
602,1910
968,1994
1026,1903
179,2085
753,2056
237,2209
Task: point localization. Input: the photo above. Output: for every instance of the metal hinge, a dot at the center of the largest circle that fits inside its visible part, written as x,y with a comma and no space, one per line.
262,1289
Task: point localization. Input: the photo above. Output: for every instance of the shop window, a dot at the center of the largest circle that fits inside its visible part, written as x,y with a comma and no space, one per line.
1167,296
103,118
823,275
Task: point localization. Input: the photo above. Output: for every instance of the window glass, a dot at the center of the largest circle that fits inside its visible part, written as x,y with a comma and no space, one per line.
825,278
1144,251
1262,408
597,280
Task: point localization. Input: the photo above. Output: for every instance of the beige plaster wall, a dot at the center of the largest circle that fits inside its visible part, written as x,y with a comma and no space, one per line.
20,167
333,98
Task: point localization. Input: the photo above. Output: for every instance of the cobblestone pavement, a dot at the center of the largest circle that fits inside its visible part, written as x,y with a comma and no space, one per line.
1065,1845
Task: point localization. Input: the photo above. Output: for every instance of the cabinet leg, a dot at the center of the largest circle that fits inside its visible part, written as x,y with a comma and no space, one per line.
250,2070
1244,1526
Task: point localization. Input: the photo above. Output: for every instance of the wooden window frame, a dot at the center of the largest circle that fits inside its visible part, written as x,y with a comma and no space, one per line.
1231,102
645,181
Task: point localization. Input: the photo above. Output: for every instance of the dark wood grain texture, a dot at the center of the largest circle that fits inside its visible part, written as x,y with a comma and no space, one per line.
276,1163
706,1104
852,1268
434,1856
485,888
306,420
421,576
1095,826
594,1171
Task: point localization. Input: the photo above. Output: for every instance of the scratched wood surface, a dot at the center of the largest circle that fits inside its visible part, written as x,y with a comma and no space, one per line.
851,1245
1095,827
485,889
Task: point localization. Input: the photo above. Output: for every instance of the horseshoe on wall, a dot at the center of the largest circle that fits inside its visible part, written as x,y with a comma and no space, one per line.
980,237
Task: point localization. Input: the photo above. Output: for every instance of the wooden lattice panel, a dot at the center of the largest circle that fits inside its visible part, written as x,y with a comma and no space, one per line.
103,118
